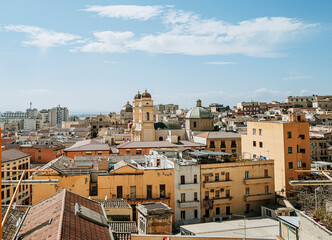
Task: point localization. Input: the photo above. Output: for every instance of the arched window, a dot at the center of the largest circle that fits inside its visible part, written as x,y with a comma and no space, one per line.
161,139
147,116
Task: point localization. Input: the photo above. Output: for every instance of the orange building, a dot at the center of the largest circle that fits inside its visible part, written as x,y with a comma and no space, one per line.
43,153
145,147
87,147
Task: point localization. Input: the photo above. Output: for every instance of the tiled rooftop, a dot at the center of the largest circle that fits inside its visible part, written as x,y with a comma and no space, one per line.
114,203
88,145
13,154
159,144
57,217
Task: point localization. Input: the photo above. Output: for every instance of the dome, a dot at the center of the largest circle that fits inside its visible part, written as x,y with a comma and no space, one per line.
138,96
127,108
146,94
199,112
166,125
220,124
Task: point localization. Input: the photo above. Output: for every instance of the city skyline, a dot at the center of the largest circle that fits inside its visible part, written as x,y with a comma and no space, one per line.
98,54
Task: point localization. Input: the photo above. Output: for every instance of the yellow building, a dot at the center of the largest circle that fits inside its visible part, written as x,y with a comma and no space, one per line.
15,160
143,118
287,142
239,187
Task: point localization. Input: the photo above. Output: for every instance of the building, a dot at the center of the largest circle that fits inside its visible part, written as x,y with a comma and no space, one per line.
287,142
251,108
165,130
237,228
166,108
154,218
187,193
87,147
117,209
198,119
238,187
58,115
15,160
126,112
318,149
216,107
143,118
221,141
323,102
13,115
65,215
301,101
43,153
145,147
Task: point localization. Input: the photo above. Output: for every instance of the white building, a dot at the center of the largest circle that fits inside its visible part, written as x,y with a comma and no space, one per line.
58,115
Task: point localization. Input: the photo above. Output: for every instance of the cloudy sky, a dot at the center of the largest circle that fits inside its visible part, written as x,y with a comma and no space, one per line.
93,56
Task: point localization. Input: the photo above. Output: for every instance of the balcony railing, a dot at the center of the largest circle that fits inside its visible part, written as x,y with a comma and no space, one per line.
188,186
262,180
188,204
215,184
144,197
221,200
258,197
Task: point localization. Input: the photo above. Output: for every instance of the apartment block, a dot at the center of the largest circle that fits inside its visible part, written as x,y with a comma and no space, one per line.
287,142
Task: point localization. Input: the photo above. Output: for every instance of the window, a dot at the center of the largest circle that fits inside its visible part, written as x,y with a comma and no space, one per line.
216,177
247,191
195,196
2,194
246,175
266,189
162,189
254,131
194,124
290,150
228,210
138,151
228,193
132,192
233,145
227,176
254,143
207,213
218,211
290,165
222,144
212,144
206,195
268,213
260,132
217,195
302,136
148,116
195,214
183,215
206,178
161,139
119,191
260,144
289,134
304,165
183,181
266,173
149,191
39,157
195,178
247,208
183,197
8,192
299,163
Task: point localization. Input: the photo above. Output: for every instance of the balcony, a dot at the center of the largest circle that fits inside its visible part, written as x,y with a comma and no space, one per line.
262,180
189,204
217,184
219,201
258,197
188,186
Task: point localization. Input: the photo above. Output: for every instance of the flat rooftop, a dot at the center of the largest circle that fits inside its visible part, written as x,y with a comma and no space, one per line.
259,227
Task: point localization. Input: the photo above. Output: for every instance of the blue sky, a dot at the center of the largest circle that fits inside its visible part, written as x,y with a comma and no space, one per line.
96,55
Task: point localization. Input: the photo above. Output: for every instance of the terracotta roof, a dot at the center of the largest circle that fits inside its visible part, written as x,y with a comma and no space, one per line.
123,227
55,218
88,145
158,144
114,203
10,227
13,154
219,135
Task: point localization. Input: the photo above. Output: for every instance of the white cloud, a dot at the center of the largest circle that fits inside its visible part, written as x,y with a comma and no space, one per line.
43,38
187,33
107,41
34,91
126,11
220,63
296,77
305,92
110,62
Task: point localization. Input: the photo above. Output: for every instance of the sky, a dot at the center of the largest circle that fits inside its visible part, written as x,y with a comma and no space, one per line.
93,56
